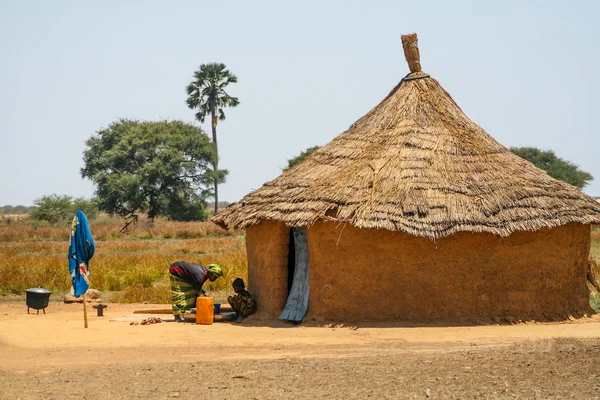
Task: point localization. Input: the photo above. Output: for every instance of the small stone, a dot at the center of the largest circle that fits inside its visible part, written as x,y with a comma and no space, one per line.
69,298
427,392
496,319
93,294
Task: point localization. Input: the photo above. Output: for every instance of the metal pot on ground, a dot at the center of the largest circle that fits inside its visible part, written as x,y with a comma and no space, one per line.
37,298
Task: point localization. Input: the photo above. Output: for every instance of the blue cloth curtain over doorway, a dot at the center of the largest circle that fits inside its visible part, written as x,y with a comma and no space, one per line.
296,306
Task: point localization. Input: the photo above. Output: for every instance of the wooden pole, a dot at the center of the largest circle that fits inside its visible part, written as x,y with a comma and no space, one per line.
85,321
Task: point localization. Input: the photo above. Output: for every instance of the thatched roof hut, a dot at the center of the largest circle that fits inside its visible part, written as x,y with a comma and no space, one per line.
416,166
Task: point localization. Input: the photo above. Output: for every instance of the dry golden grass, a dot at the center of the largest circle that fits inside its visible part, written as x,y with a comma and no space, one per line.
106,228
134,264
159,293
595,244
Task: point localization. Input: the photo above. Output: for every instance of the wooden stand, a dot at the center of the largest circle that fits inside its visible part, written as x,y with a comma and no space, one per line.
85,320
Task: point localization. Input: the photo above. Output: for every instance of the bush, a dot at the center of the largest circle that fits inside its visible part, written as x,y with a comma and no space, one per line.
89,207
54,209
57,209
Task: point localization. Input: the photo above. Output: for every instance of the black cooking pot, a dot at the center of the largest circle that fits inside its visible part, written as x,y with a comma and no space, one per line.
37,298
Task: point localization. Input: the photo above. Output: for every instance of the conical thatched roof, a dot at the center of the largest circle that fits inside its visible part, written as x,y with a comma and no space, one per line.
415,163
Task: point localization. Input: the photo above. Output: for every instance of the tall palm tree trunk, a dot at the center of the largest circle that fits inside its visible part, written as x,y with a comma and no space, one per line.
216,163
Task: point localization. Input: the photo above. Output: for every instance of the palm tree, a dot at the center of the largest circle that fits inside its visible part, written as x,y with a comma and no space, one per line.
207,93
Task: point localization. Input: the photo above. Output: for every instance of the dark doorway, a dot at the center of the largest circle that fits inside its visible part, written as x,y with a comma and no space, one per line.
296,305
291,261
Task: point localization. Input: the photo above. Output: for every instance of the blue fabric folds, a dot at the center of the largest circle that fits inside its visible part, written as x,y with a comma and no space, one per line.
296,306
81,251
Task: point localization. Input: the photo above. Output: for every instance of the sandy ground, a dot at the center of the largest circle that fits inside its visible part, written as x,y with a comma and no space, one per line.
52,356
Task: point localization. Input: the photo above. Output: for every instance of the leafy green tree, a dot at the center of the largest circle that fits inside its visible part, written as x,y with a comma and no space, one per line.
147,166
555,166
300,157
207,93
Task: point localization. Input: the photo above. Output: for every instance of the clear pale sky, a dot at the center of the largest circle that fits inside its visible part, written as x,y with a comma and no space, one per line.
526,71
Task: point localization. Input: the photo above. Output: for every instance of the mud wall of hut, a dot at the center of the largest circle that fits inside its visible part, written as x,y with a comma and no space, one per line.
267,249
381,275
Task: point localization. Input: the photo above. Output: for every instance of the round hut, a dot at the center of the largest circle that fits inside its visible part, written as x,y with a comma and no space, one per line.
416,213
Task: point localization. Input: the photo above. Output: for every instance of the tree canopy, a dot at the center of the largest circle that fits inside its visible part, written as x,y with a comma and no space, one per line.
300,157
555,166
150,167
206,92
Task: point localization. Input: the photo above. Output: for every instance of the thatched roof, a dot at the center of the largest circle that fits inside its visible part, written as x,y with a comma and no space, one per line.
415,163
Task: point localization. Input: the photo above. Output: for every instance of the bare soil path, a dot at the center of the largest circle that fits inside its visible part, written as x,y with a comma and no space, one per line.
51,356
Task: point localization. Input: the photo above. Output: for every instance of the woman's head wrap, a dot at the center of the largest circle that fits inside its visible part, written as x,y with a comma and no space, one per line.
215,269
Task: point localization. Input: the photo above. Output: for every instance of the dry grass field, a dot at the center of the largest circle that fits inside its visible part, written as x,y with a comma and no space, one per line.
133,265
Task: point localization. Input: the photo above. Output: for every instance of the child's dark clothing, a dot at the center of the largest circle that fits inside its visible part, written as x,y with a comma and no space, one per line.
242,303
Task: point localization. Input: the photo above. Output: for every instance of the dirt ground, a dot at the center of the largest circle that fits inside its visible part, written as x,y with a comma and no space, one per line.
52,356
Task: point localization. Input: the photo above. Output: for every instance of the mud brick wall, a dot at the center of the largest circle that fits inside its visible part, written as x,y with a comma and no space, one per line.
381,275
267,246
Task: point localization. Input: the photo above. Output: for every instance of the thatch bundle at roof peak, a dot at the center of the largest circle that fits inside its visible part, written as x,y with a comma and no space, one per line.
410,43
415,163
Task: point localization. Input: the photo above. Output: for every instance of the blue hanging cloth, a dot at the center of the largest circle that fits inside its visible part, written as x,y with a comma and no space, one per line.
81,252
296,306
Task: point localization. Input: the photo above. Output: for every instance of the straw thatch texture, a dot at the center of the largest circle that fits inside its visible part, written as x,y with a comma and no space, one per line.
410,43
416,163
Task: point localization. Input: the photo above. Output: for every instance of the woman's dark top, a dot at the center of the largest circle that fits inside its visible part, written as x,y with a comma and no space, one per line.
195,274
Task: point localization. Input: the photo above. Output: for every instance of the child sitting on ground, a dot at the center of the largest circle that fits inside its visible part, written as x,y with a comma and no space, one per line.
242,303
